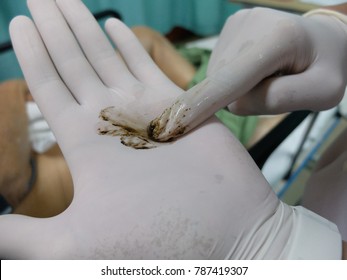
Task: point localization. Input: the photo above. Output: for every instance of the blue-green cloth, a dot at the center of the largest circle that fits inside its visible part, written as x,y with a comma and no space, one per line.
242,127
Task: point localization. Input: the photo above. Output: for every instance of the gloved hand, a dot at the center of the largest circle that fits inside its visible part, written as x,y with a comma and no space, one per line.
182,200
265,62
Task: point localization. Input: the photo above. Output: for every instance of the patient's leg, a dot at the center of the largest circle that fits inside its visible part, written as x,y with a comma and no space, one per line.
52,192
14,142
178,69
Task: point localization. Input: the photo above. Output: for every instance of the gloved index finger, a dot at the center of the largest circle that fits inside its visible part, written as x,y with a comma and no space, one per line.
219,89
279,46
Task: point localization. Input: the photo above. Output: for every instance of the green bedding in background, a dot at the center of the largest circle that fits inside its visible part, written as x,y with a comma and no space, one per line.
242,127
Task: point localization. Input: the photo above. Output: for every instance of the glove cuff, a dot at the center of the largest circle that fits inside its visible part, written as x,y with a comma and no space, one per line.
313,237
291,233
340,16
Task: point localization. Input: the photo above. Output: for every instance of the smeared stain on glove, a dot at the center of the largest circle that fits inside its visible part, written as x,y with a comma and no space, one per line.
132,133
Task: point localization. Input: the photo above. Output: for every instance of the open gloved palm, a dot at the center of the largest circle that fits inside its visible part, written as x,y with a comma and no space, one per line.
128,203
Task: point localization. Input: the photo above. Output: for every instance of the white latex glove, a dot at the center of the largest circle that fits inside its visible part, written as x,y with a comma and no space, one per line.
199,197
265,62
